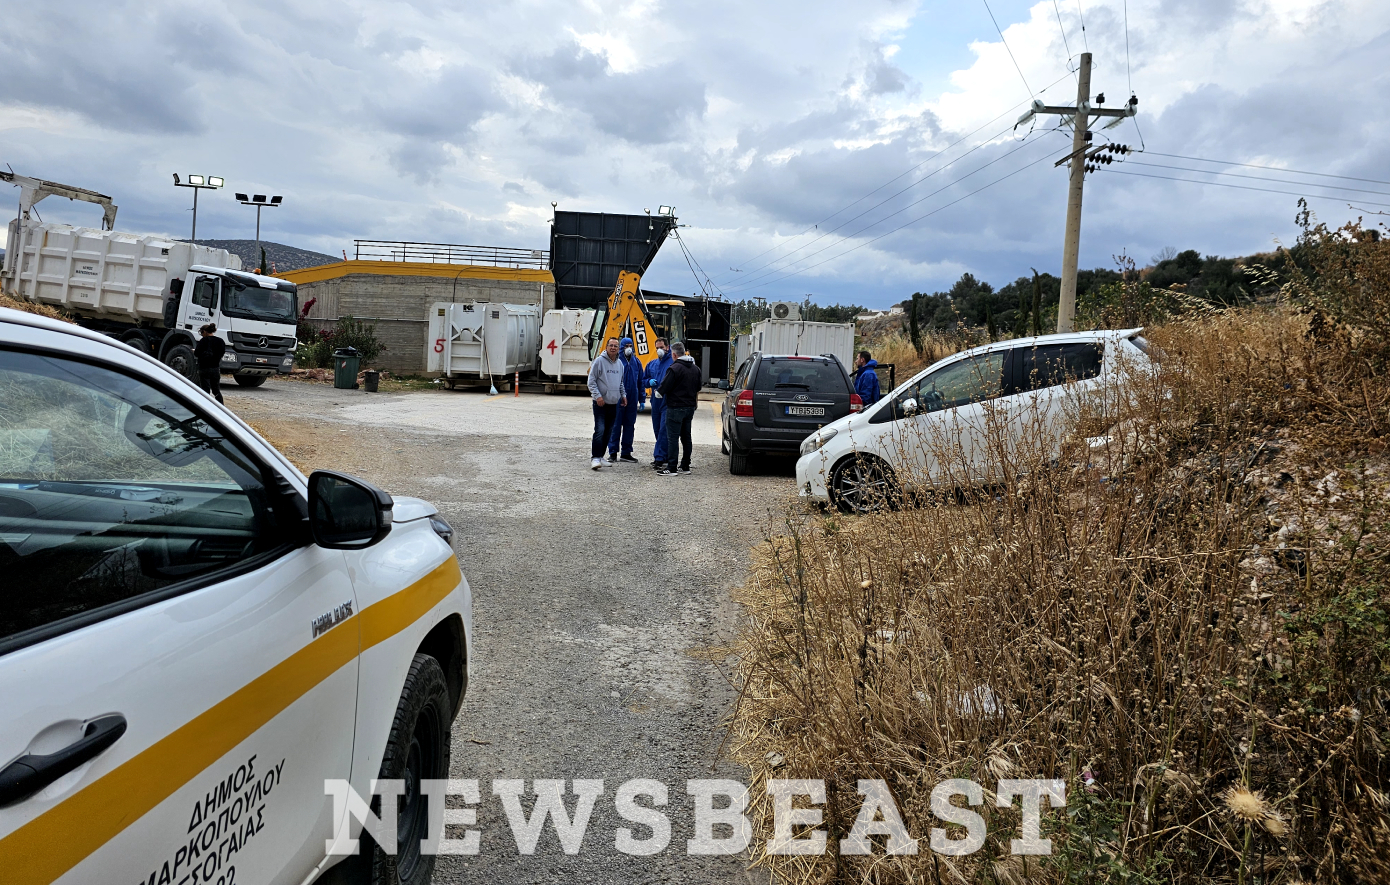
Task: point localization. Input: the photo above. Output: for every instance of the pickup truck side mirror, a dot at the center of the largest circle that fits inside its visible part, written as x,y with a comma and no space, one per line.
346,513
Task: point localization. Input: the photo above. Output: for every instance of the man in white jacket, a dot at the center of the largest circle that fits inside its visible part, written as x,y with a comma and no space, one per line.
606,390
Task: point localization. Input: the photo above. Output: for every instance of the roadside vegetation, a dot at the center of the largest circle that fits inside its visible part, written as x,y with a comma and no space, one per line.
1187,619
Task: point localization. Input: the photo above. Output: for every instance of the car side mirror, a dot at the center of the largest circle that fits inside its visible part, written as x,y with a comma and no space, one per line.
346,513
909,406
723,384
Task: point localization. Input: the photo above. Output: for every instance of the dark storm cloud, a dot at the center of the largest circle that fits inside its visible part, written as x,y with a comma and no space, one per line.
649,106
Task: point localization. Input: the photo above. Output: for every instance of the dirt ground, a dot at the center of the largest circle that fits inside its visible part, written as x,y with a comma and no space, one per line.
601,601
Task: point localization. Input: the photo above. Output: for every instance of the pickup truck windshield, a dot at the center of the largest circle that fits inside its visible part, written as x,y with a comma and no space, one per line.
256,303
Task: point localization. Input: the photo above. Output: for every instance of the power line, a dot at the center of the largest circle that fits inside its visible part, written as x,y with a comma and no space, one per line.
1273,168
827,233
1010,51
1063,29
1047,156
1081,15
1129,74
947,186
1335,187
934,156
1238,186
692,262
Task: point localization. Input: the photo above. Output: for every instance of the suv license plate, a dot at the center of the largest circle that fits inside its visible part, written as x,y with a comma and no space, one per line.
805,410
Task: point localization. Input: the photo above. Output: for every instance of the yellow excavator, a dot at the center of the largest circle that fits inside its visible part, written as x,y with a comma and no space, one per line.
626,314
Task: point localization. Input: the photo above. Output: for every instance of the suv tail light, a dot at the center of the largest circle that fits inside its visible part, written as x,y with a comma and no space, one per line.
856,404
743,406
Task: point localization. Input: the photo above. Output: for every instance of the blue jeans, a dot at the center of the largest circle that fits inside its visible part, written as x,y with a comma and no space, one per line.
605,417
624,428
678,423
659,429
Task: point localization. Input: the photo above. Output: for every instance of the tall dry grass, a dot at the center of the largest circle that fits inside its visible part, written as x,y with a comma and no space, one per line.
1191,626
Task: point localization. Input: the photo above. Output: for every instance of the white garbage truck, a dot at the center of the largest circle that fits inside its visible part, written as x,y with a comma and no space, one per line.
150,292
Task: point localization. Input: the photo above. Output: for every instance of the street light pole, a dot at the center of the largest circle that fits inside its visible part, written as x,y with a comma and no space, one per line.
260,202
198,182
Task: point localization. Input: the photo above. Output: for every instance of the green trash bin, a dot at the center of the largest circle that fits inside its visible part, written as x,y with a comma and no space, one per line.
345,363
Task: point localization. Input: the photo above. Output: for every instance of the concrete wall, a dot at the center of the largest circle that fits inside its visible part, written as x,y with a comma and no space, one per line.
398,306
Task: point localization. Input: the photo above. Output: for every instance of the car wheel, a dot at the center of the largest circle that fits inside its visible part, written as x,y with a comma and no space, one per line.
180,358
723,444
249,380
417,750
862,484
738,460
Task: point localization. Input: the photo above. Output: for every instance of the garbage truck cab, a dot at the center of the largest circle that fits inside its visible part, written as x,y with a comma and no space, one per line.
255,315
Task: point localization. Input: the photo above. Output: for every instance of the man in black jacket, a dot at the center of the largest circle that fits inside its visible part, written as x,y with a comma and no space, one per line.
209,355
681,390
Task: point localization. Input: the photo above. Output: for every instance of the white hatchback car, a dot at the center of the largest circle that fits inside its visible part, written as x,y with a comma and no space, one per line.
957,421
194,637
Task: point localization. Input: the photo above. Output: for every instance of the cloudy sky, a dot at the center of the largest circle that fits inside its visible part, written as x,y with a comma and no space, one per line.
856,152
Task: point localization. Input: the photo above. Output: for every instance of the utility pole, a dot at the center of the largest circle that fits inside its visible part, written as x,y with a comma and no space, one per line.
1071,246
1080,159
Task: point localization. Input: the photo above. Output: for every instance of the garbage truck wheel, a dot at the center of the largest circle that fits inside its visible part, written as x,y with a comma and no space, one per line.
180,358
249,380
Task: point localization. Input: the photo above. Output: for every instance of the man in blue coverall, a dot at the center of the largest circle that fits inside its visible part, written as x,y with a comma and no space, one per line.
655,371
626,425
866,378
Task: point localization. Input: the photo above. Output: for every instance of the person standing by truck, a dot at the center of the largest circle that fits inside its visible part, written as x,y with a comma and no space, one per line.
652,378
681,389
208,352
606,390
866,378
625,427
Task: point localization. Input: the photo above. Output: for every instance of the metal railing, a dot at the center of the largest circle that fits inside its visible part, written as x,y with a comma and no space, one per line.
449,253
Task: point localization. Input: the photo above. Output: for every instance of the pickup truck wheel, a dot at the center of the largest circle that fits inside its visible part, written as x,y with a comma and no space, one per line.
738,460
249,380
417,750
180,358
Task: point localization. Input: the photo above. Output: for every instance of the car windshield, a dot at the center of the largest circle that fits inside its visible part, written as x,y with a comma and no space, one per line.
254,302
819,375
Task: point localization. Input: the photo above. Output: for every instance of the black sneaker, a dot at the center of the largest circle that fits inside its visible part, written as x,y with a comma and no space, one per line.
666,471
629,459
612,457
685,471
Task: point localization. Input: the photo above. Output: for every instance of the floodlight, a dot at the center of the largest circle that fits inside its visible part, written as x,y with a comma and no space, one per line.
241,197
195,179
176,178
258,198
664,210
275,201
214,181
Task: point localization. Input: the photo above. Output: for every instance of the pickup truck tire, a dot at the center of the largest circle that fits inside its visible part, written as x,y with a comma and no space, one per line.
418,749
249,380
180,358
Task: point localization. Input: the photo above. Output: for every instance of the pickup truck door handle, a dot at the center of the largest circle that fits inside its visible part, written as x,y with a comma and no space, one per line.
28,774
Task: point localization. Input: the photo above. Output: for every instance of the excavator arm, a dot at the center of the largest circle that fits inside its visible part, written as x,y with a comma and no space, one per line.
624,315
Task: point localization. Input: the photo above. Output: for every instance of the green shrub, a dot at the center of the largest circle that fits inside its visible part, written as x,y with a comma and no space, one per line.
316,346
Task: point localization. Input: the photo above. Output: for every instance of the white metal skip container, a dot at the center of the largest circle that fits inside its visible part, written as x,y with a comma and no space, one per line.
565,343
482,339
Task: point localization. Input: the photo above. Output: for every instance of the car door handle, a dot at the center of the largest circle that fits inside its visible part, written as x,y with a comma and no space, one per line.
29,773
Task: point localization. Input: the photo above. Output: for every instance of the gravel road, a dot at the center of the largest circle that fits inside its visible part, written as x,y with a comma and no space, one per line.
601,602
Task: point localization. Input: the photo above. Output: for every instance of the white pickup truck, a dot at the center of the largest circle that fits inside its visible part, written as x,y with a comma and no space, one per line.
195,637
150,292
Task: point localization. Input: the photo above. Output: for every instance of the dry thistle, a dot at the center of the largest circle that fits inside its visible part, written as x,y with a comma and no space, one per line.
1248,805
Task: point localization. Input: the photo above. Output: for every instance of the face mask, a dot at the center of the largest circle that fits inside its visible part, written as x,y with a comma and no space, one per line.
661,351
628,352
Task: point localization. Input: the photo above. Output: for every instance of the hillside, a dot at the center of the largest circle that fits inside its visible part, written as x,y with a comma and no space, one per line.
280,256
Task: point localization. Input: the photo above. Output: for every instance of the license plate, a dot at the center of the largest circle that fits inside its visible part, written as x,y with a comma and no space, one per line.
805,410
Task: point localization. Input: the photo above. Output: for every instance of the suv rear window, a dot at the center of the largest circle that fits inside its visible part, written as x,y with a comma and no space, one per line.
821,376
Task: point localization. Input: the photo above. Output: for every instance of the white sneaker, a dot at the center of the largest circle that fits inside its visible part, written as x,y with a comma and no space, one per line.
596,464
